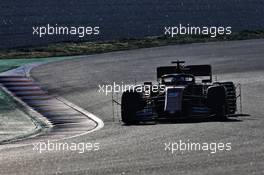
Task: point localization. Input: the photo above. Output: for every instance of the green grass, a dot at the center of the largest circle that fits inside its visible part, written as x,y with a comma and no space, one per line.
14,122
6,103
86,48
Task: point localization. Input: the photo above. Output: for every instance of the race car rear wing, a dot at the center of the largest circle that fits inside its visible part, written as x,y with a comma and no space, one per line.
166,70
204,71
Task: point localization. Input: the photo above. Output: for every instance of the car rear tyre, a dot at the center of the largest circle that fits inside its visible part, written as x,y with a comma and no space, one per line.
220,113
216,100
231,105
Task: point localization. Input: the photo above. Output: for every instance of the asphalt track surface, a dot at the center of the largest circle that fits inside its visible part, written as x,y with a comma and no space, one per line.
140,149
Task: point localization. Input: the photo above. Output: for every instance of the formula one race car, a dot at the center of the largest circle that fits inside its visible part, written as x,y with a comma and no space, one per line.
182,92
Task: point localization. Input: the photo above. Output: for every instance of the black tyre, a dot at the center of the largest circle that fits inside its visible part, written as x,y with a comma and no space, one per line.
231,106
216,100
220,113
131,102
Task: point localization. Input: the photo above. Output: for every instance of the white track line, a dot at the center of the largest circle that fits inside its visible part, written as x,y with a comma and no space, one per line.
98,121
